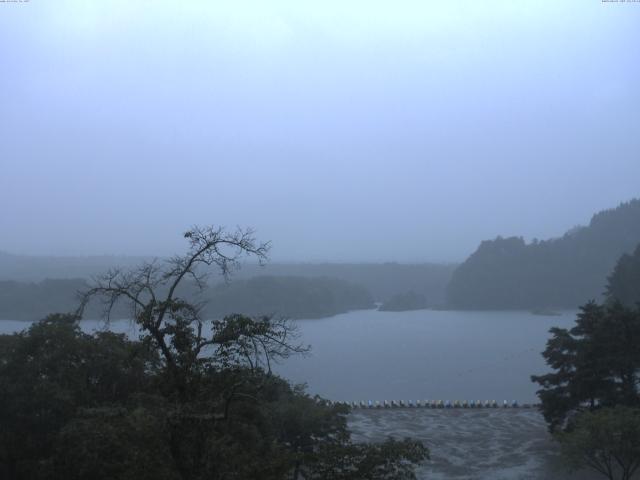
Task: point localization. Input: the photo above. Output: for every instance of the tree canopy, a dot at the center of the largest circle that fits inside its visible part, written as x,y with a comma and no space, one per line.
509,273
624,281
595,363
591,400
191,399
606,440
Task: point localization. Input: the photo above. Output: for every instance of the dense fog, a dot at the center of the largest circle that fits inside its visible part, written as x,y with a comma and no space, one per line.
337,240
340,131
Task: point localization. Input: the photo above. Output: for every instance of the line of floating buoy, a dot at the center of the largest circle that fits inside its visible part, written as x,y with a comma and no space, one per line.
434,404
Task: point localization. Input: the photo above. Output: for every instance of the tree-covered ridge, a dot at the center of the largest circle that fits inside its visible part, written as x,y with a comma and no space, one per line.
382,280
404,302
564,272
624,281
293,297
34,301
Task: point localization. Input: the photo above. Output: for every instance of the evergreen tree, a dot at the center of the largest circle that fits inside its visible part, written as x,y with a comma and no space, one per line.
624,281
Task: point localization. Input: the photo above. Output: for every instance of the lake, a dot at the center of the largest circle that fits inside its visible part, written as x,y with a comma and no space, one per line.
423,354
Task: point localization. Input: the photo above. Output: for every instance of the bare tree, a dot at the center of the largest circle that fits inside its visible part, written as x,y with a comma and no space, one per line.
175,326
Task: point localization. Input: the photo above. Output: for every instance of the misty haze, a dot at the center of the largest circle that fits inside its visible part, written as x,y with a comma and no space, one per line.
319,240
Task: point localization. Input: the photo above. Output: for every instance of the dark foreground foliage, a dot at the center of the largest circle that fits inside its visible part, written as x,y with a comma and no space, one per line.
596,363
591,400
191,399
79,406
606,440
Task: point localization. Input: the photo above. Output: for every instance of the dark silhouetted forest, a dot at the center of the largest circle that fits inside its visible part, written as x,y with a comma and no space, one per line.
34,301
292,297
591,398
382,280
404,301
624,282
508,273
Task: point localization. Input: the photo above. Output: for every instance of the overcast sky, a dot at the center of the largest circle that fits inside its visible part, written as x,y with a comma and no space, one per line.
339,130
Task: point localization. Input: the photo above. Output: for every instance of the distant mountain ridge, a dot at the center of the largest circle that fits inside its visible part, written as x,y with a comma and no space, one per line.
508,273
35,268
383,280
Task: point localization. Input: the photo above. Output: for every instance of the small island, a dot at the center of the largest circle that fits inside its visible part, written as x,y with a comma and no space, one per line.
404,301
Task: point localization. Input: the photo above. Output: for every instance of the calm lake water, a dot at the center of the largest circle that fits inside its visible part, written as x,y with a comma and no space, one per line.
422,354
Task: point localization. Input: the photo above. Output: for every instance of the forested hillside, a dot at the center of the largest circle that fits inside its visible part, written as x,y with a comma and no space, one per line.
382,280
34,301
35,268
564,272
624,281
403,302
292,297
